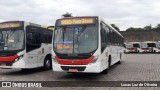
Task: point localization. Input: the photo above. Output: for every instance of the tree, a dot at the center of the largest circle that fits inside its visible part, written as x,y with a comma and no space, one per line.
134,29
158,27
67,14
130,29
149,27
115,27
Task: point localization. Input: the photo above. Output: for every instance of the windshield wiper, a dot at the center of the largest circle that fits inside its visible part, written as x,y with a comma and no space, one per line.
77,38
82,30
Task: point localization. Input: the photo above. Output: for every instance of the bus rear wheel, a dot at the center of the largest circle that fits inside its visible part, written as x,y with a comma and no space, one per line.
47,63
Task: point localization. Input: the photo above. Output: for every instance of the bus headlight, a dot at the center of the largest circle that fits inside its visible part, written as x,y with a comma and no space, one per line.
95,59
18,58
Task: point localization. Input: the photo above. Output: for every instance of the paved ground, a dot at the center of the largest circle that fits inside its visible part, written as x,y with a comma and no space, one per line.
135,67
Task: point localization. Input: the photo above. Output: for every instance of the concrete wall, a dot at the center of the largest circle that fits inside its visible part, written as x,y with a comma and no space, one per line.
141,35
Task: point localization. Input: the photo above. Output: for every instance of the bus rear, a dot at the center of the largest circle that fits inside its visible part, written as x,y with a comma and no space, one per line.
75,45
136,46
151,46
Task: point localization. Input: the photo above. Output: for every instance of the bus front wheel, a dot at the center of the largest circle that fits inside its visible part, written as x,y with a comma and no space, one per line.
47,63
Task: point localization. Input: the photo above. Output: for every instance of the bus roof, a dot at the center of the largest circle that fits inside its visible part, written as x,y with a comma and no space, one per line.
32,24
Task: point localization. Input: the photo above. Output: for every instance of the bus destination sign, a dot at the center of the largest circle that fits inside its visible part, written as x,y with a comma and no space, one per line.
10,25
76,21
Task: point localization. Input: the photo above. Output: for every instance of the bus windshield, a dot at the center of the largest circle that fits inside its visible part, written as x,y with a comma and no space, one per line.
11,39
143,45
129,46
76,39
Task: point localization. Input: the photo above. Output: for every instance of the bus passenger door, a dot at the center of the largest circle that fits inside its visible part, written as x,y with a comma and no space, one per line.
33,44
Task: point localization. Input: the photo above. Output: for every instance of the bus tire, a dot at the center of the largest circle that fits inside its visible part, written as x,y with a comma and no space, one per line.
47,63
120,60
154,51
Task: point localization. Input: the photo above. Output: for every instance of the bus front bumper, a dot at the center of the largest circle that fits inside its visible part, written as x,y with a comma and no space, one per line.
18,64
90,68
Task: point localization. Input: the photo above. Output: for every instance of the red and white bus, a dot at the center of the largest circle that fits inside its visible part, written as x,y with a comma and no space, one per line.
157,47
85,44
148,46
24,45
132,47
128,48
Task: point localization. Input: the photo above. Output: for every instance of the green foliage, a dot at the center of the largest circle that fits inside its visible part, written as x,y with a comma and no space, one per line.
67,14
148,27
115,27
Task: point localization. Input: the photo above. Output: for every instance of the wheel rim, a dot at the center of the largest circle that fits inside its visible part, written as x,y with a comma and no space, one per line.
48,63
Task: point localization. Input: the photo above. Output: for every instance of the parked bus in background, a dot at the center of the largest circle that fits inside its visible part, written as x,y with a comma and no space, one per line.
132,47
157,48
136,46
128,48
144,47
85,44
151,46
24,45
147,46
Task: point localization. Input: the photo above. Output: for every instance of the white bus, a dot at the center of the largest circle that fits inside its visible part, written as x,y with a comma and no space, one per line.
148,46
128,48
132,47
144,47
25,45
85,44
136,46
157,48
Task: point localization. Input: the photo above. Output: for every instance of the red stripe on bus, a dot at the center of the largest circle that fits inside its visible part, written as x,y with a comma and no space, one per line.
8,58
74,62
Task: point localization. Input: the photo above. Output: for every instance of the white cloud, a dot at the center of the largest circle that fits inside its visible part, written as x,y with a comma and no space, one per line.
123,13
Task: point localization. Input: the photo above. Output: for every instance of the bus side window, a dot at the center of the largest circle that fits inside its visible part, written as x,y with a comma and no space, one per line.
103,39
33,40
107,34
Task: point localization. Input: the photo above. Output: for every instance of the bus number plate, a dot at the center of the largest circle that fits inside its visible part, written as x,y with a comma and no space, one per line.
73,70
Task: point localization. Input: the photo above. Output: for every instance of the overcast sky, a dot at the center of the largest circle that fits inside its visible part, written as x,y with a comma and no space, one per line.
123,13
